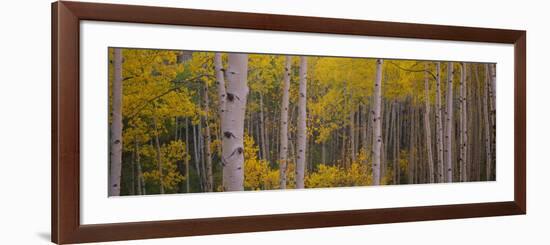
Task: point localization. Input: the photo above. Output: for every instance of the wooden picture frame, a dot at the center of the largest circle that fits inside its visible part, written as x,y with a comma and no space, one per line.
65,178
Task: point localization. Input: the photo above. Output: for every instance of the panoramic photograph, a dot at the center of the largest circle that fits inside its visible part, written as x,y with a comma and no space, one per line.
185,121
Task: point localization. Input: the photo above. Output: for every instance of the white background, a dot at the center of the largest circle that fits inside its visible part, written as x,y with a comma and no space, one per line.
25,127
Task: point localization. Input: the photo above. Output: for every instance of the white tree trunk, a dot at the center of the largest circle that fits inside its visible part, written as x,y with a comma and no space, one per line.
207,150
283,157
159,156
302,127
116,127
377,122
187,176
262,130
439,123
141,183
233,122
427,127
364,125
449,125
463,125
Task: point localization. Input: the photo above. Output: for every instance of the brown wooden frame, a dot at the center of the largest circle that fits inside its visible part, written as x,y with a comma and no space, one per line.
65,178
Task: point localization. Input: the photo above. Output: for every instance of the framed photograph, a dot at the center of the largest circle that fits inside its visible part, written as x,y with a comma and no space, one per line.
178,122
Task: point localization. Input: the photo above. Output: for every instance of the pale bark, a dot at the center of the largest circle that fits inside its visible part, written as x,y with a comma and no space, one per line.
463,125
187,176
377,122
196,153
116,127
201,153
364,112
233,123
262,130
412,144
352,134
207,139
302,127
449,125
141,182
159,156
283,156
427,127
439,124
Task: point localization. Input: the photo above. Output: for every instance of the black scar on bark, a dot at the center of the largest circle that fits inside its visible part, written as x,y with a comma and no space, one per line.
117,142
230,97
240,150
228,134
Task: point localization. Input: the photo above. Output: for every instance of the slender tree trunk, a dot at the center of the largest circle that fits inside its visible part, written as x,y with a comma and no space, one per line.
202,154
449,126
364,112
140,184
207,139
302,127
187,176
439,124
116,127
428,128
159,156
266,128
412,145
196,152
283,156
397,144
233,123
377,144
343,145
262,129
463,125
386,132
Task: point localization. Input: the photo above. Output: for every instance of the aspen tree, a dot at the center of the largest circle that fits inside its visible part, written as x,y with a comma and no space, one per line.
439,123
427,127
233,122
449,125
116,127
377,137
302,125
283,156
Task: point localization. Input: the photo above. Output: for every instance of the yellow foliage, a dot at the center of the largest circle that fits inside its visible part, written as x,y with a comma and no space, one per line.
171,177
335,176
257,173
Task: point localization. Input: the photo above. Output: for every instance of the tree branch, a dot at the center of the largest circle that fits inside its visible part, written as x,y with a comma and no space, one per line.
411,70
175,88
